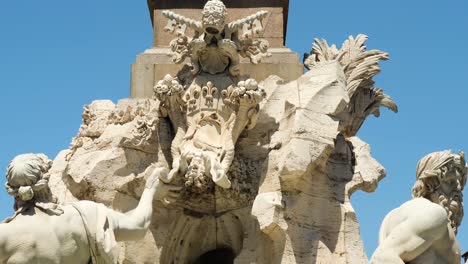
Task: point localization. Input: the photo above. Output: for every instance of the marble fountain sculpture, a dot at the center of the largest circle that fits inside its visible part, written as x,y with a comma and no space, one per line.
423,230
42,231
250,159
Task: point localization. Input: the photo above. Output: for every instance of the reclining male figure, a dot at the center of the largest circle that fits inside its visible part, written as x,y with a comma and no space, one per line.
85,232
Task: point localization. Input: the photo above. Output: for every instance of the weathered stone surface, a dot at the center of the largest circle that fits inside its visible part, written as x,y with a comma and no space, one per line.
153,64
115,144
268,205
314,166
291,173
294,122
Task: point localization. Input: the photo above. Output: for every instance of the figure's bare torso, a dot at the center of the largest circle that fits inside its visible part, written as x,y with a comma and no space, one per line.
42,238
444,249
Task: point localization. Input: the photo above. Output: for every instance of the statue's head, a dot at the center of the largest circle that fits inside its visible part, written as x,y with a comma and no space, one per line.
26,176
441,177
214,17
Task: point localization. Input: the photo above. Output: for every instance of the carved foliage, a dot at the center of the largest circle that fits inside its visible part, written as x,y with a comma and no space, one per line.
359,67
169,92
245,93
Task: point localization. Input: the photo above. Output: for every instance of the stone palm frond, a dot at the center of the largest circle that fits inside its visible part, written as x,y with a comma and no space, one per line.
359,67
321,52
364,103
378,99
352,48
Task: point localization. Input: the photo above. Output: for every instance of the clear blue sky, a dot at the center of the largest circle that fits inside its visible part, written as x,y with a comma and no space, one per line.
56,56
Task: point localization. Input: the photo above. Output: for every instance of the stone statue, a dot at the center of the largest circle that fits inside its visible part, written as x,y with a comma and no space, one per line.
41,231
423,230
266,164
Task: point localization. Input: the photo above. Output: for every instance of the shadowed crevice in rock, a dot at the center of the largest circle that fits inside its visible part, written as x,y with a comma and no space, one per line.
192,236
166,134
221,256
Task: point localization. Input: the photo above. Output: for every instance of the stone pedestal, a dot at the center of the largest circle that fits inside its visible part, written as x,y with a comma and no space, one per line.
152,65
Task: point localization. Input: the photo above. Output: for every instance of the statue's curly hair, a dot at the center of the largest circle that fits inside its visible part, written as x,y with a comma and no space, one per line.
26,175
431,170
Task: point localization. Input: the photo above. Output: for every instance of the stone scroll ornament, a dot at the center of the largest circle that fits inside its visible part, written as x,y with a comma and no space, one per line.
216,45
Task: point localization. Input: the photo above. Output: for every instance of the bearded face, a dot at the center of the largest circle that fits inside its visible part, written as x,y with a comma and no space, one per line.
196,177
453,204
449,192
440,178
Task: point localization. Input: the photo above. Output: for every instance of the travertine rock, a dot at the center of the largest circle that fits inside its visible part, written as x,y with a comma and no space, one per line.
291,174
316,162
115,143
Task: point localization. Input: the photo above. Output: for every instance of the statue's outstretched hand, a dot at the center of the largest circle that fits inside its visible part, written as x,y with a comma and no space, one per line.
166,193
